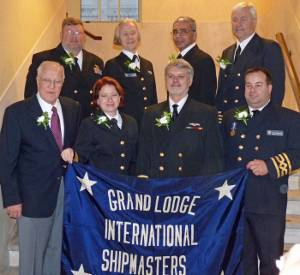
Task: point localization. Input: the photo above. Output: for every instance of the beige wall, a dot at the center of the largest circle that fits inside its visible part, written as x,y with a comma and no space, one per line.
284,16
21,24
201,10
26,27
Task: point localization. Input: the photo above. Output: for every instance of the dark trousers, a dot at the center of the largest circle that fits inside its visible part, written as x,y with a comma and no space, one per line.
263,240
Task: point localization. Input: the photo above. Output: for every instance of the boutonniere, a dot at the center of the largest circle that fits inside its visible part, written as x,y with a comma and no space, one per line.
97,69
164,120
102,120
241,115
43,120
131,66
69,60
223,62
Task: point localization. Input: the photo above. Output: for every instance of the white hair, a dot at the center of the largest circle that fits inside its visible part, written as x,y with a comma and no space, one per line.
246,5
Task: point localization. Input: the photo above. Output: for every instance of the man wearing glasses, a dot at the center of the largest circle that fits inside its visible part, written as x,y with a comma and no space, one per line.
82,68
204,85
35,141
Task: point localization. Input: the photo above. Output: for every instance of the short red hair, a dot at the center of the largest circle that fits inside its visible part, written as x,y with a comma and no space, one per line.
106,80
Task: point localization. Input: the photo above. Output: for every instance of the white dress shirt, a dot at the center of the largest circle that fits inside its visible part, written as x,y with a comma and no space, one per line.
46,107
187,49
118,118
130,56
251,109
180,103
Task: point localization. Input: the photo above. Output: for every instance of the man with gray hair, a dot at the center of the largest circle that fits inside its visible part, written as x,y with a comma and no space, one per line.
204,84
35,142
180,136
249,51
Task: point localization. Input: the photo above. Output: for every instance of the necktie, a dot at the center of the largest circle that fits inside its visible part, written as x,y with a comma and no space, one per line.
255,113
136,61
134,58
175,112
237,54
114,124
179,56
77,67
55,128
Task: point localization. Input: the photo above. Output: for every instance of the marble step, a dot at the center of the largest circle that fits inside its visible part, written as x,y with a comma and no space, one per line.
294,181
294,195
293,205
292,231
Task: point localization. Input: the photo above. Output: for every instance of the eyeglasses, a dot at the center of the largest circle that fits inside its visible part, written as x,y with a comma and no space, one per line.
50,82
181,31
74,33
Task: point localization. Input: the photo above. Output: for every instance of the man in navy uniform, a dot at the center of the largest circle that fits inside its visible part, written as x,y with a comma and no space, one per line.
82,68
204,84
180,136
249,51
34,143
264,138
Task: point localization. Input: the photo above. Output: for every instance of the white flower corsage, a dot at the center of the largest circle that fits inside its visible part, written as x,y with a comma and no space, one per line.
43,120
164,120
242,115
102,120
223,62
69,60
132,66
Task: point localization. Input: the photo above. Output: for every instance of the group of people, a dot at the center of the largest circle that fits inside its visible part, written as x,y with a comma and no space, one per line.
78,109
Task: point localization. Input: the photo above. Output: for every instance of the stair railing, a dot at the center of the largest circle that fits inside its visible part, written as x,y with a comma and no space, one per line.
290,67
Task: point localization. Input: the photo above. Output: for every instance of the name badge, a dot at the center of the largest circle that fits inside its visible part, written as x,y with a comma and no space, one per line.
130,74
276,133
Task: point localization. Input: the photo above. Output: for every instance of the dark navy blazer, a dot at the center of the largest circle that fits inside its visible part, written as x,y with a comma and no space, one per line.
31,166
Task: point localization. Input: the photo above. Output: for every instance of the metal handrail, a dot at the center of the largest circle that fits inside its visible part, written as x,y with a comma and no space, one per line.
95,37
290,67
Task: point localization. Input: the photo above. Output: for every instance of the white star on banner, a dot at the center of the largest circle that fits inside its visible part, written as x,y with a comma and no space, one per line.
80,271
86,183
225,190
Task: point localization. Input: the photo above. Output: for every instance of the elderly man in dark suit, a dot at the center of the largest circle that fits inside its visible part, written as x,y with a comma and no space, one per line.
204,84
250,50
35,140
264,138
179,137
82,68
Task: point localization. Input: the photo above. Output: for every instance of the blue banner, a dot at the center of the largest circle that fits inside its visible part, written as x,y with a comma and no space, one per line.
116,224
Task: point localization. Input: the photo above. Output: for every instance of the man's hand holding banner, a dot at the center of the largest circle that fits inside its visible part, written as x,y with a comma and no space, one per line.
116,224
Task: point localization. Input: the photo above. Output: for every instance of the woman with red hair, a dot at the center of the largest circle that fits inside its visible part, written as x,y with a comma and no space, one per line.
108,139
